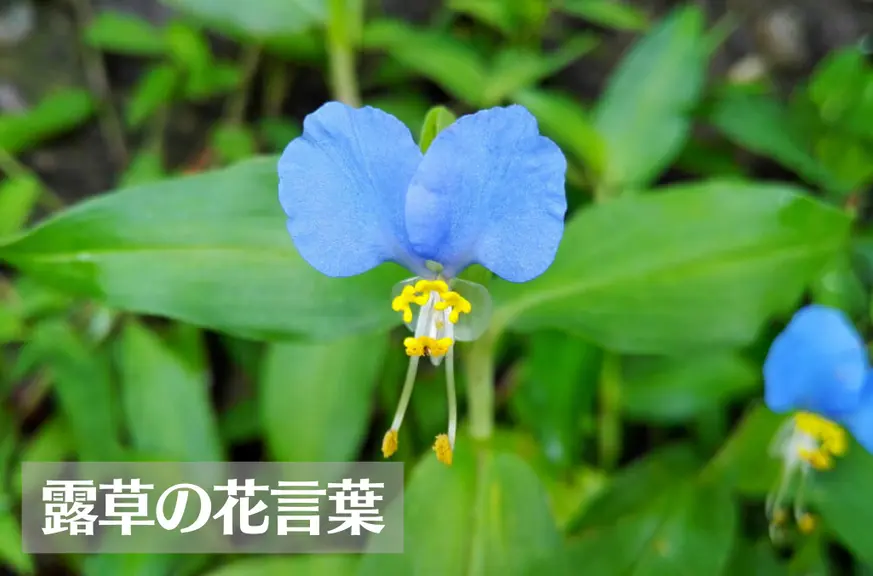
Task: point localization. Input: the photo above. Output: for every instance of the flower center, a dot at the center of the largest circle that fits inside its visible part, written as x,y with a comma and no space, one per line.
817,440
805,442
433,334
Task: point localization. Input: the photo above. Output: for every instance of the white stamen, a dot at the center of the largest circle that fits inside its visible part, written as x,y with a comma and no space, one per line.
450,388
424,318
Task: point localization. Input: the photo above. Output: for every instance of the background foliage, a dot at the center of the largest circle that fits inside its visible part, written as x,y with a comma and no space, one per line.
171,318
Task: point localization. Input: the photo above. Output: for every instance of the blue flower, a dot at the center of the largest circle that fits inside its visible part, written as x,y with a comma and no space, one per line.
358,192
818,370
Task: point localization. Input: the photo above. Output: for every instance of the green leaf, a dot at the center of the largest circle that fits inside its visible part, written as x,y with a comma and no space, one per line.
218,79
11,552
636,485
840,496
165,395
146,167
688,529
608,13
278,132
328,388
760,125
129,565
694,265
671,390
840,287
255,19
314,565
54,115
435,55
124,33
51,442
37,300
438,119
18,197
744,462
11,323
464,519
241,422
758,559
233,142
155,89
837,87
703,157
515,69
83,387
211,250
561,117
495,13
557,384
188,46
644,114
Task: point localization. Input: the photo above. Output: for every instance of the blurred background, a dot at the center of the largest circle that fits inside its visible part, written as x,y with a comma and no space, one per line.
152,305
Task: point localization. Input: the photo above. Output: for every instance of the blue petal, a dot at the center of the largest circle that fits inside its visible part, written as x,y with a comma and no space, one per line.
817,364
342,185
860,422
490,190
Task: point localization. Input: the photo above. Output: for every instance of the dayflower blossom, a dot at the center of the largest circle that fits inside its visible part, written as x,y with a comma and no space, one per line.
818,370
358,192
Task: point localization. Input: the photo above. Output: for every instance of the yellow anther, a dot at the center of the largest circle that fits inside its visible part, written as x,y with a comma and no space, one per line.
428,286
427,346
816,426
401,303
780,517
417,294
439,347
458,303
831,439
443,449
818,459
389,443
806,523
414,346
836,445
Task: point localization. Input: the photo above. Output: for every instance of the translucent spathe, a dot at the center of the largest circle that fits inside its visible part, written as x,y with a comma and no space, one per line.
469,326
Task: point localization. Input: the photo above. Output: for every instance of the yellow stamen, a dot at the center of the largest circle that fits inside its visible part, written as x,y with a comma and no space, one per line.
414,346
389,443
458,303
831,439
818,459
806,523
443,449
780,517
428,286
425,345
418,294
401,303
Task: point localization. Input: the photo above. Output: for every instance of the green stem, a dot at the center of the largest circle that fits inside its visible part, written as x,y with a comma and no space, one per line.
236,106
480,385
343,76
711,426
277,82
110,123
610,411
345,82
